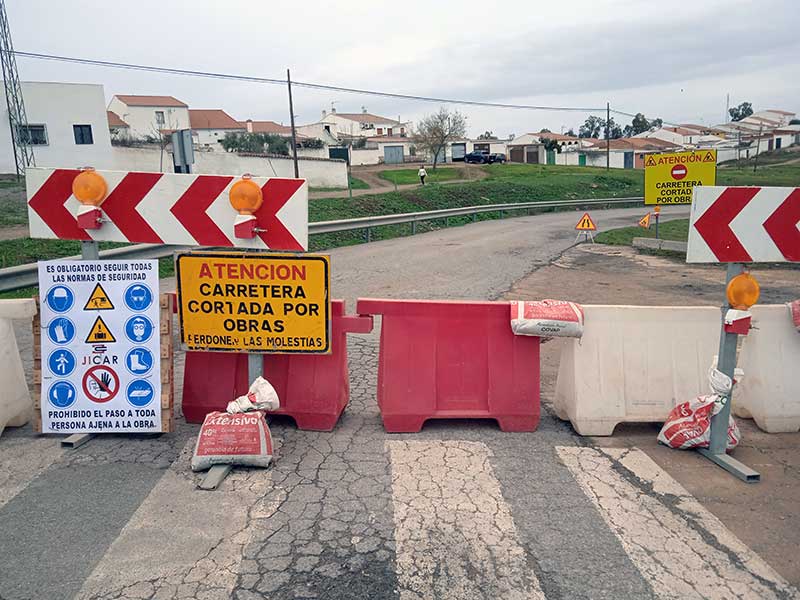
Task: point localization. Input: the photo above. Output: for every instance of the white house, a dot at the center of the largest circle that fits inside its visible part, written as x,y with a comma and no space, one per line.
117,127
209,126
356,125
67,126
149,115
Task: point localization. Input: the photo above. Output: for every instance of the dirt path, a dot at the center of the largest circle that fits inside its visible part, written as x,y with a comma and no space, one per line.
14,232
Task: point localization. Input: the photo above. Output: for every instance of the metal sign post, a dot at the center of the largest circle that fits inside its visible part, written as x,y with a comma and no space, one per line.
726,363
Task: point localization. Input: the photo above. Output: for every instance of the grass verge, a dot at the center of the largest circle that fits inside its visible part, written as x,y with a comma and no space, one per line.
407,176
355,183
676,230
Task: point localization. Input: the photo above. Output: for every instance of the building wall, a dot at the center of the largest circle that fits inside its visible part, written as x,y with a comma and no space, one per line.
59,106
319,173
142,119
598,159
212,137
365,156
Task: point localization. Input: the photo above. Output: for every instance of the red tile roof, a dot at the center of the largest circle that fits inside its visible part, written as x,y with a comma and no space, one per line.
214,118
682,130
559,137
366,118
269,127
114,120
779,112
133,100
637,144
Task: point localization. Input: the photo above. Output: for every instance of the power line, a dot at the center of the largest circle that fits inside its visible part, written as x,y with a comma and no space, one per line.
304,84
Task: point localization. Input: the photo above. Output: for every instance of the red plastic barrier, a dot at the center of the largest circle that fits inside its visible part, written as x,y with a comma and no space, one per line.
313,388
442,360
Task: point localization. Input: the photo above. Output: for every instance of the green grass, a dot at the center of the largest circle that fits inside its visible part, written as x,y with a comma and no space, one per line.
13,204
355,183
777,175
25,250
406,176
677,230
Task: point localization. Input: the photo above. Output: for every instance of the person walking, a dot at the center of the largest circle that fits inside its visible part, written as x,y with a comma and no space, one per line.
422,174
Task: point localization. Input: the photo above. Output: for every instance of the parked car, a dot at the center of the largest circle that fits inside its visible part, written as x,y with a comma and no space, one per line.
477,157
497,158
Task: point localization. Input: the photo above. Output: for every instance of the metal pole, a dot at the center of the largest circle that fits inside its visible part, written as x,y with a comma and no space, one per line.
608,136
656,225
726,363
291,118
349,187
90,251
758,147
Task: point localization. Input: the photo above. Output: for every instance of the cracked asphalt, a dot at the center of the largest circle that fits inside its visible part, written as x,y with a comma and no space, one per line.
459,510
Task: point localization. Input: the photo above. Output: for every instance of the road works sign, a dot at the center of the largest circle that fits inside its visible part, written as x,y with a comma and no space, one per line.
586,223
101,365
168,208
744,224
670,178
277,303
644,222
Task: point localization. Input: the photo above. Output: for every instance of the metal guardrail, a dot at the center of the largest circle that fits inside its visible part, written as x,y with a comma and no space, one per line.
21,276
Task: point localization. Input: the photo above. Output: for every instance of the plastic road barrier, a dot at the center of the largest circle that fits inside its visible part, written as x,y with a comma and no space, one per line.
313,388
770,357
16,406
634,364
442,359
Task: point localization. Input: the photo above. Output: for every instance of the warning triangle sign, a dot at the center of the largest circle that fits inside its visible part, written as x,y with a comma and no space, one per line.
100,333
644,222
709,157
586,223
99,300
651,162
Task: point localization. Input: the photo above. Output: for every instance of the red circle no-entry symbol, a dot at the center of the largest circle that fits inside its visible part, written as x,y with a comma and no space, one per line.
679,172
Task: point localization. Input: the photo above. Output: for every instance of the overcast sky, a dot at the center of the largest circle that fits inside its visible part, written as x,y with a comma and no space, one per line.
676,60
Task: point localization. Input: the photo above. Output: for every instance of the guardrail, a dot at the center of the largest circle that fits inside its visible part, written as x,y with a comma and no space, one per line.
21,276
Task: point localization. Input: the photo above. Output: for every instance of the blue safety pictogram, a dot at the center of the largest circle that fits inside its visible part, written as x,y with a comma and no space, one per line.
61,330
60,299
138,297
138,329
61,362
140,392
62,394
139,361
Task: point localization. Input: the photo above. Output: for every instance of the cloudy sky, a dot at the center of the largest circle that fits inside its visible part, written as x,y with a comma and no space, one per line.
676,60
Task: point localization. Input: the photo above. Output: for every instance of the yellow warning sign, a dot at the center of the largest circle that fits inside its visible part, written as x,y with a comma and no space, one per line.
98,300
275,303
586,223
644,222
100,333
670,178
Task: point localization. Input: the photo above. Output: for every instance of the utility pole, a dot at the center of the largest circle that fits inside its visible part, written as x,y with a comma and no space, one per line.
758,146
727,108
291,116
608,136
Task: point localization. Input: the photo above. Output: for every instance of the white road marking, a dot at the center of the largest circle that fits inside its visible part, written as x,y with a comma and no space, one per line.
181,542
680,548
455,534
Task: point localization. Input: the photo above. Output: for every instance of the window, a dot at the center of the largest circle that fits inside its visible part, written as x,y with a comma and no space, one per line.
160,117
402,131
380,131
83,134
35,135
389,131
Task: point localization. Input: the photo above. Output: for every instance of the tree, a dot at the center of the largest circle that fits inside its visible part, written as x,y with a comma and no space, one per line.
570,132
594,127
737,113
255,143
794,122
434,131
486,135
640,124
549,144
545,130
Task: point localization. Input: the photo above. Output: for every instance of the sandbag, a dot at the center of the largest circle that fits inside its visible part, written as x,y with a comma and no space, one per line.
547,318
688,425
225,439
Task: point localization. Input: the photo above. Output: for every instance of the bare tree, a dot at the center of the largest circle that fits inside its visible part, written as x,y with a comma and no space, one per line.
434,131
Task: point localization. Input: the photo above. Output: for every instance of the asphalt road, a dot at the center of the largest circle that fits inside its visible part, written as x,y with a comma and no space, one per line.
460,510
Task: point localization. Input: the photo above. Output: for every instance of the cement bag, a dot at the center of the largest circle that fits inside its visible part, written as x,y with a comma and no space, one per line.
547,318
688,425
242,439
261,396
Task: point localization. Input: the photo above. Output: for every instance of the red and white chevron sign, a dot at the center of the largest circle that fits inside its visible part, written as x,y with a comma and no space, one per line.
168,208
744,224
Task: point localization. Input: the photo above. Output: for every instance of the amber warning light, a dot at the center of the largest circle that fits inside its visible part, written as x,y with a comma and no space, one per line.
246,198
90,188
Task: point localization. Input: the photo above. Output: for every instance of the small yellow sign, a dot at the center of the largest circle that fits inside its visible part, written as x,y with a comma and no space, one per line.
272,303
100,333
670,178
98,300
644,222
586,223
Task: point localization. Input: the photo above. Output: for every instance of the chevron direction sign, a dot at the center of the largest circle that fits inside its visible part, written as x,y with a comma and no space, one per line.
744,224
168,208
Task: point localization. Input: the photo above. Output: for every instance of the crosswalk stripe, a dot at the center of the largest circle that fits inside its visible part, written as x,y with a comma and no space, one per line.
455,534
181,542
679,547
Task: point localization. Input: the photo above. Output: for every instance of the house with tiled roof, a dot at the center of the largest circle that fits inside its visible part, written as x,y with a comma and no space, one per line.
147,116
116,126
209,126
356,125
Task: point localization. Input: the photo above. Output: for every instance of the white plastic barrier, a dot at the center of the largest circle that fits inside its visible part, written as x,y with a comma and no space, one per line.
634,364
770,359
15,401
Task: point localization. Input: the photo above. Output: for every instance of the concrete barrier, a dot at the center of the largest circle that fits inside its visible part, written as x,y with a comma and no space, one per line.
770,358
634,363
654,244
16,406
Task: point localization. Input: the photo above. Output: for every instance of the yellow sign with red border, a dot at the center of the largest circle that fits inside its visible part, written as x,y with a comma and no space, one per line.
270,303
670,178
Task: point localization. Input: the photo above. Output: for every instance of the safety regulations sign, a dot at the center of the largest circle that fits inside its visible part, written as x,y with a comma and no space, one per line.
276,303
101,365
670,178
